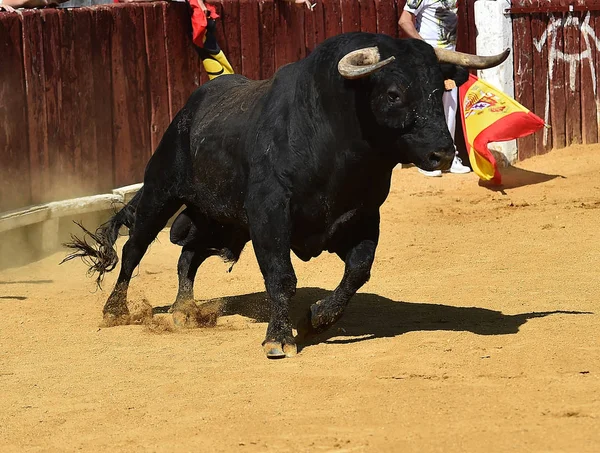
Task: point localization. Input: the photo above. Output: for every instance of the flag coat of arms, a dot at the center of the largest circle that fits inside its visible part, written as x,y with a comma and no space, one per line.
491,116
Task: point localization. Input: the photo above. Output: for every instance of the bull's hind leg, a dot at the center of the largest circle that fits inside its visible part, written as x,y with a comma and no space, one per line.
151,216
357,249
270,232
185,311
205,238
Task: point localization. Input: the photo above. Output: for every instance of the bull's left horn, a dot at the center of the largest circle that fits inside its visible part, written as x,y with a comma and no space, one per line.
470,61
362,62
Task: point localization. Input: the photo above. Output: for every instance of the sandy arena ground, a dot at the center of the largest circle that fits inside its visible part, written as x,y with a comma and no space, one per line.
479,331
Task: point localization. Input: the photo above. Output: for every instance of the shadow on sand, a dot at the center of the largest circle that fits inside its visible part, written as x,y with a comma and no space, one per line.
513,177
372,316
23,282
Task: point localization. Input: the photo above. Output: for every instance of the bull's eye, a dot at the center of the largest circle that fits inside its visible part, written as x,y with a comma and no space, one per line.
393,96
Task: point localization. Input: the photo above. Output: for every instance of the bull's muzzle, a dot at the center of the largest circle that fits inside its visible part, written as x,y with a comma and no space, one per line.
441,159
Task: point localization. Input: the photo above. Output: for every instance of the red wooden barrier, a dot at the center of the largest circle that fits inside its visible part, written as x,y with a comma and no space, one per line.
39,162
86,93
556,70
14,171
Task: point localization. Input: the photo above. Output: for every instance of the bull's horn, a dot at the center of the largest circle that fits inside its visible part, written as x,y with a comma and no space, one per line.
362,62
470,61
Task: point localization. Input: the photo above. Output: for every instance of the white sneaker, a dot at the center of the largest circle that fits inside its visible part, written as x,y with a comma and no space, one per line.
431,173
458,167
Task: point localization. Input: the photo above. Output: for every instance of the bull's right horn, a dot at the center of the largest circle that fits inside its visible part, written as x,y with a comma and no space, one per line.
362,62
468,60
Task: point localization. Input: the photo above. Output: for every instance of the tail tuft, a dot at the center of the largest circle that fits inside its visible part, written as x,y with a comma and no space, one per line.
99,255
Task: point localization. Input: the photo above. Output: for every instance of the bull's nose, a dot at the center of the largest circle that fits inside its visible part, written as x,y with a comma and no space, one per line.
442,159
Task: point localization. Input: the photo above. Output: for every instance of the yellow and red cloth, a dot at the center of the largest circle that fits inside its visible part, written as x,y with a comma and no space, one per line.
200,21
491,116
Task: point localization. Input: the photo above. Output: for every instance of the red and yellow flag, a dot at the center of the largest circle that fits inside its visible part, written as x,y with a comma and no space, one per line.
491,116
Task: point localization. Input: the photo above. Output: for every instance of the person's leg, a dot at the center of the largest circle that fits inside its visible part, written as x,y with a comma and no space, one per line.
450,100
214,60
204,39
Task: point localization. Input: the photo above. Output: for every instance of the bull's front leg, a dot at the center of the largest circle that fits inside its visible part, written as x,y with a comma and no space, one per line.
270,230
358,253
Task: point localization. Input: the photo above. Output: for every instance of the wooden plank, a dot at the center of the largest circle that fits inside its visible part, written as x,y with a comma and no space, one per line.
250,39
472,27
55,104
557,90
573,84
231,25
281,34
183,63
333,18
33,57
267,38
68,182
387,21
154,22
100,57
541,100
296,39
368,16
462,30
589,110
350,16
314,27
14,158
88,157
131,113
523,73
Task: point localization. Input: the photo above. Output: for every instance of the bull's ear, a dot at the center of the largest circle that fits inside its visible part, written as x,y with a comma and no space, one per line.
459,74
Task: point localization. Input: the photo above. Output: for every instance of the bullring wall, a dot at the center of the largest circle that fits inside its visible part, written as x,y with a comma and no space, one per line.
86,93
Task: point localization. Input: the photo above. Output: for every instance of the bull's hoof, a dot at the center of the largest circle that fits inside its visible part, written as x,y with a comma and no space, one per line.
277,350
111,320
290,350
189,315
135,312
140,312
186,314
311,323
185,319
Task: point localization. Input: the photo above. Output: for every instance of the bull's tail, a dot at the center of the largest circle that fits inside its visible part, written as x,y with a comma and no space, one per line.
100,255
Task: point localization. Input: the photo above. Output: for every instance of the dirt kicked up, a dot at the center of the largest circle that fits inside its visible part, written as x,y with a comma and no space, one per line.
479,331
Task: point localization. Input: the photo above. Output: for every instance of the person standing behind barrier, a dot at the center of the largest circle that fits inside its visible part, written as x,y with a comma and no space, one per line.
435,22
204,37
11,5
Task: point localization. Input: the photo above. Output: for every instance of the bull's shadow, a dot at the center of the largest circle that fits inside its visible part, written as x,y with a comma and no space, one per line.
372,316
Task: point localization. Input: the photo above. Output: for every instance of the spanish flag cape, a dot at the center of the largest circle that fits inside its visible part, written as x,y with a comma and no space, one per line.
491,116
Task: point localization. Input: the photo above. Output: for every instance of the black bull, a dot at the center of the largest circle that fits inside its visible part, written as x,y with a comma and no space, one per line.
302,162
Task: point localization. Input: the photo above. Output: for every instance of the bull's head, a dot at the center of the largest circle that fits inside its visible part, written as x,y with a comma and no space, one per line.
404,96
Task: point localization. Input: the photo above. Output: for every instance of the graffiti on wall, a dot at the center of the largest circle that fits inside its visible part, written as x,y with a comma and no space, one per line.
572,59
